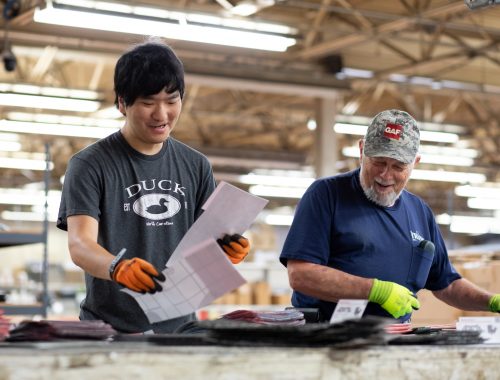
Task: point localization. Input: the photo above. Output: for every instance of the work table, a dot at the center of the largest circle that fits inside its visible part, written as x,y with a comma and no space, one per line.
76,360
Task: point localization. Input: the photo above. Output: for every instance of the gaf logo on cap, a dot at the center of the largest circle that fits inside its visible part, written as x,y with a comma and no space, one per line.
393,131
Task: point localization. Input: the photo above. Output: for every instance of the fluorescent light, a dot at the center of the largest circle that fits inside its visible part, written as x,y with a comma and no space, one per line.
446,160
55,129
28,216
447,176
484,203
357,73
358,129
56,98
448,151
277,191
48,102
271,180
60,92
488,190
10,146
174,25
9,137
278,219
474,225
108,113
65,119
439,157
25,197
350,129
24,163
444,137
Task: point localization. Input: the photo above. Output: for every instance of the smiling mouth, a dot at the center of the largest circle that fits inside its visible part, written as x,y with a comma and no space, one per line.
384,186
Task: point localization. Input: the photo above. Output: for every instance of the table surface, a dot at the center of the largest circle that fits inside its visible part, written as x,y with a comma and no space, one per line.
72,360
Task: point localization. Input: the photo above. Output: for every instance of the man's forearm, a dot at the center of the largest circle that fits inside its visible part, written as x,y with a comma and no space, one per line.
326,283
464,295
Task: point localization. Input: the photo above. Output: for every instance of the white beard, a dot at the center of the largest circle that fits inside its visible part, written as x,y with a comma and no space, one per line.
386,200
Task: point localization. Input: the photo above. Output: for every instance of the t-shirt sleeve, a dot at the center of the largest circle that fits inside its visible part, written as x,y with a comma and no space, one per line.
309,235
206,186
80,193
442,272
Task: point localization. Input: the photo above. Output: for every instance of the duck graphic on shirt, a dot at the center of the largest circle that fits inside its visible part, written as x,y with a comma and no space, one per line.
158,209
156,206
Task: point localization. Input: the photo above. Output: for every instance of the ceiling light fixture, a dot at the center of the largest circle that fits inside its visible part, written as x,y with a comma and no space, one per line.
10,146
426,158
55,129
29,197
472,225
276,180
447,176
484,203
487,190
24,163
277,191
358,129
65,119
278,220
19,95
28,216
202,28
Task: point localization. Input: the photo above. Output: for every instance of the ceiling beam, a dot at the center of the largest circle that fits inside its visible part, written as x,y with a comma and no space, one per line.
331,46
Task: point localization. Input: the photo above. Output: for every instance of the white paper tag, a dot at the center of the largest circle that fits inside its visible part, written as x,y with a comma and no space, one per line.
488,326
348,309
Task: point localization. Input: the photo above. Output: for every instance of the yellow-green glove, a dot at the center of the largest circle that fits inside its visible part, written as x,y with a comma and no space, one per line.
394,298
494,303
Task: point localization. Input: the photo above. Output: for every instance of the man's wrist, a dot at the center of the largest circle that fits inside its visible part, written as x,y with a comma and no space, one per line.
115,262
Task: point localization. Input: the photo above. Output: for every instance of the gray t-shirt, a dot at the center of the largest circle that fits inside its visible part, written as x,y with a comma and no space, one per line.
142,203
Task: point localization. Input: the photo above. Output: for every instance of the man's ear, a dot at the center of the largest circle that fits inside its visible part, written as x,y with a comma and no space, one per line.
121,106
417,159
361,144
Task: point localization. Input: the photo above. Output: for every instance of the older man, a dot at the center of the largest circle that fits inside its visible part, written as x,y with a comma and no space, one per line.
361,235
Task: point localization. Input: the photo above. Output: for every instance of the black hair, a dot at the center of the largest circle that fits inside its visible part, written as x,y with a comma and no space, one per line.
147,69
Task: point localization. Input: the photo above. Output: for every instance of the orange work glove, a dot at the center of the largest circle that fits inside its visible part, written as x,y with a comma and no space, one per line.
138,275
235,246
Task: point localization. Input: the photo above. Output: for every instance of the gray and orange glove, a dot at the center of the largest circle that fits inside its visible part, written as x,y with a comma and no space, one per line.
394,298
138,275
235,246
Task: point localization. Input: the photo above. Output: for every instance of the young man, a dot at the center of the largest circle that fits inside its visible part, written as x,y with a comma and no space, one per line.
361,235
129,198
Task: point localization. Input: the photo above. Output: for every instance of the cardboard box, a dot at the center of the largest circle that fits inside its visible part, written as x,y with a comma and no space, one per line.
479,273
433,311
261,293
244,294
281,299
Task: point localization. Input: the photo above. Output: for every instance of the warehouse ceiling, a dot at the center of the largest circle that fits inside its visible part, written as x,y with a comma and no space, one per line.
249,109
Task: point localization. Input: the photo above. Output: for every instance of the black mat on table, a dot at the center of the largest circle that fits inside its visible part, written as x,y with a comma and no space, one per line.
351,333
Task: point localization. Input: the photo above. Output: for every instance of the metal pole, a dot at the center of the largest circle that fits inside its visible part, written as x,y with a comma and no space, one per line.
45,266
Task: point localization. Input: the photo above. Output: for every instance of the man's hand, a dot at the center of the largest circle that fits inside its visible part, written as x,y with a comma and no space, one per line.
138,275
235,246
394,298
494,303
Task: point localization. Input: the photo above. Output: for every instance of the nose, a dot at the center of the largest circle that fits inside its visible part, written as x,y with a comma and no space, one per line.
160,112
385,171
